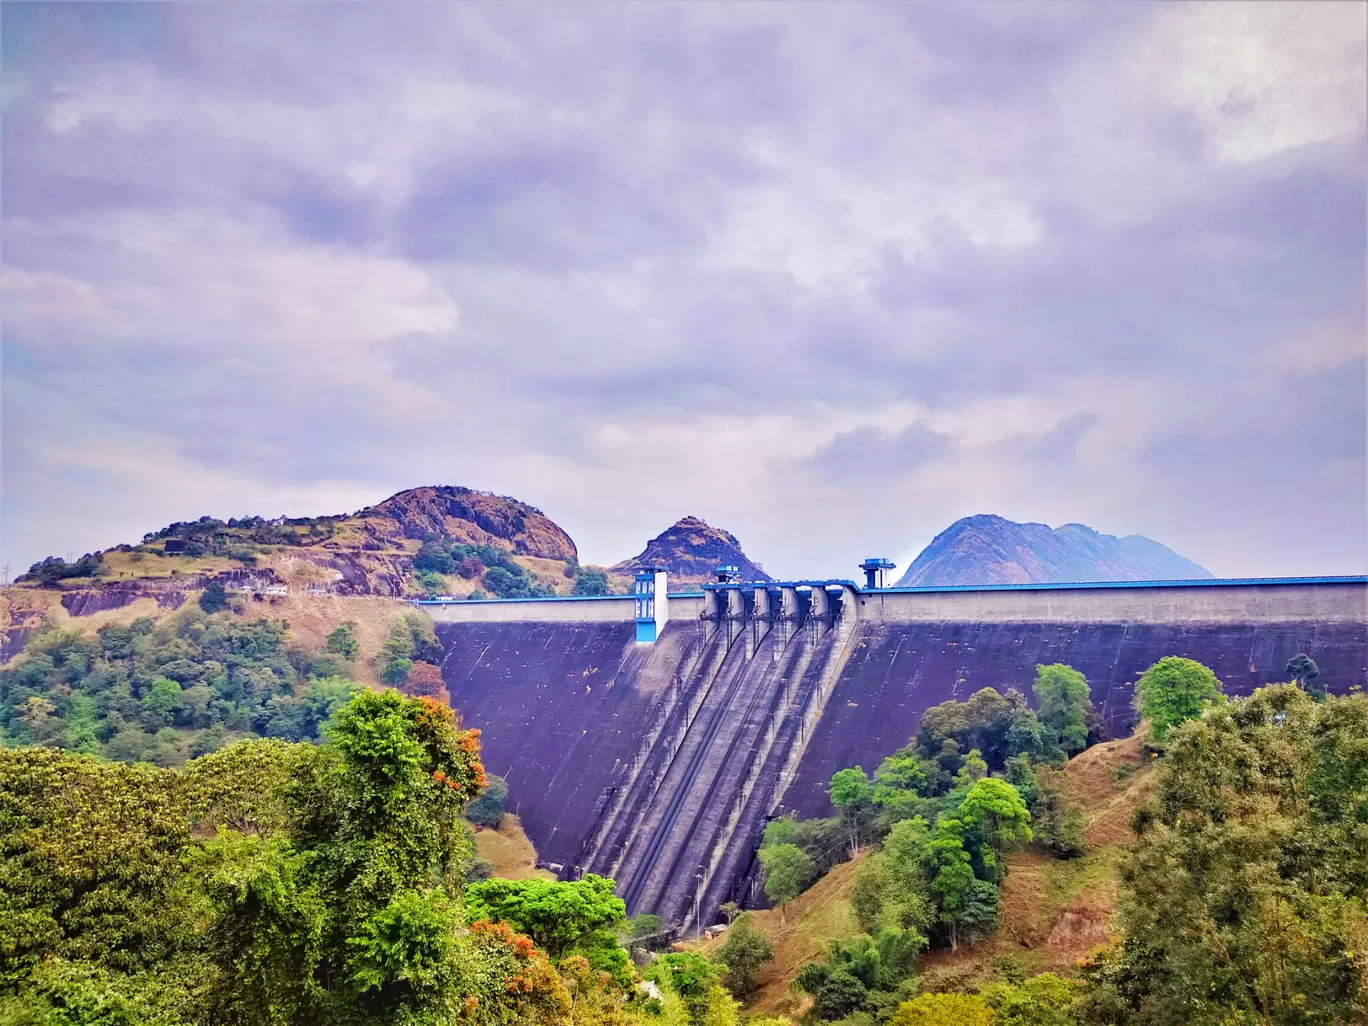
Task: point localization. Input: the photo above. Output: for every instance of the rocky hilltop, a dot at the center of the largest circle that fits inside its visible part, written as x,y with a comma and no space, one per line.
370,552
987,549
465,515
690,550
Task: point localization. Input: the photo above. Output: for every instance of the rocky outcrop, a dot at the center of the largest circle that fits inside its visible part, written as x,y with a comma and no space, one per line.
988,549
690,550
463,514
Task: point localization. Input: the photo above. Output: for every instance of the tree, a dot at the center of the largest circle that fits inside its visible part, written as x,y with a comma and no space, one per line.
424,679
994,807
1056,822
342,641
840,994
488,809
853,794
243,786
730,910
973,769
1043,1000
591,582
353,907
162,698
90,856
1174,690
694,980
1302,669
506,583
1243,898
942,1010
213,598
1063,703
745,951
556,914
787,871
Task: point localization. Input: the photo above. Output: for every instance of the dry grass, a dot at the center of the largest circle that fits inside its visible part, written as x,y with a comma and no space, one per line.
128,565
816,917
510,851
313,617
1110,781
26,607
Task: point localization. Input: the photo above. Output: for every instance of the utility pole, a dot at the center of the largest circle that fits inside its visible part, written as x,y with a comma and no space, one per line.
698,888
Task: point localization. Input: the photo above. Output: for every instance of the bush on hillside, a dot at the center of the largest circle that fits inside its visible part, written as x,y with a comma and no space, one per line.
488,809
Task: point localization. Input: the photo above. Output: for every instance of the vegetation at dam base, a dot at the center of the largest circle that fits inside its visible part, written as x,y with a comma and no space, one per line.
1243,898
301,883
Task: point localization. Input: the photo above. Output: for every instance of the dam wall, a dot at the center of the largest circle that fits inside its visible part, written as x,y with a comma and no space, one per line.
896,671
658,763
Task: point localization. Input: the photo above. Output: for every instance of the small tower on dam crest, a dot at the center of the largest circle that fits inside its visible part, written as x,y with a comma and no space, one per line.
652,603
875,568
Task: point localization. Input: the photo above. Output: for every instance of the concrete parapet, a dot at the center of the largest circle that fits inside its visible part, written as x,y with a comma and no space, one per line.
1149,603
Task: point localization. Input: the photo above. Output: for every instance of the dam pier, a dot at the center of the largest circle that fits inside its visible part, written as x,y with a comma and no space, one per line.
649,736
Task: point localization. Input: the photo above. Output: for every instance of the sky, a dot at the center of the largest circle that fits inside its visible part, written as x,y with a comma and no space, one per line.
829,276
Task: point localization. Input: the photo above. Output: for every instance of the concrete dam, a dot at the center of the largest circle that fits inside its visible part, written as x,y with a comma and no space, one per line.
648,737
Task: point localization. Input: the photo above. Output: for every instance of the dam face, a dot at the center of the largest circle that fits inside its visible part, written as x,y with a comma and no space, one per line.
657,764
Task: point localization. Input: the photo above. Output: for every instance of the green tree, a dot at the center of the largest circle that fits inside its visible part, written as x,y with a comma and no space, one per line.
853,794
788,870
90,859
213,598
1243,899
841,993
558,915
971,770
994,807
591,582
348,915
694,979
1043,1000
342,641
942,1010
1173,691
162,699
488,809
744,953
1056,822
1302,669
1063,704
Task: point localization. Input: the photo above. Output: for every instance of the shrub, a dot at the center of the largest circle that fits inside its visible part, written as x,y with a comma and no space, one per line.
488,809
213,598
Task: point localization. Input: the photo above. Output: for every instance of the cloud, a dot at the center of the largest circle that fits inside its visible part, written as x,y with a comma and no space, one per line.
830,276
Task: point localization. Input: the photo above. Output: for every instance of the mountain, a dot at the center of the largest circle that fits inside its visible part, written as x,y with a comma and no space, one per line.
369,552
987,549
690,549
465,515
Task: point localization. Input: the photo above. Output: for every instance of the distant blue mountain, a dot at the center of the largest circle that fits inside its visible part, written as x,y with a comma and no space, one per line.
987,549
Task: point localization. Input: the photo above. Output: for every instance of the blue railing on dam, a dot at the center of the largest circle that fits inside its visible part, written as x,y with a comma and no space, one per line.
543,598
1205,582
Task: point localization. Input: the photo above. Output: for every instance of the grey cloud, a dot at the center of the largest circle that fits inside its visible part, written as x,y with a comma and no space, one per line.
591,190
869,455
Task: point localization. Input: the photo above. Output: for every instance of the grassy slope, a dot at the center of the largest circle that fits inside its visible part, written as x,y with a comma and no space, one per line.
1054,912
510,851
818,916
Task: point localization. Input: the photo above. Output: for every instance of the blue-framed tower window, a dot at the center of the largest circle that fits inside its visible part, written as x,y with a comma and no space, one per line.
652,603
